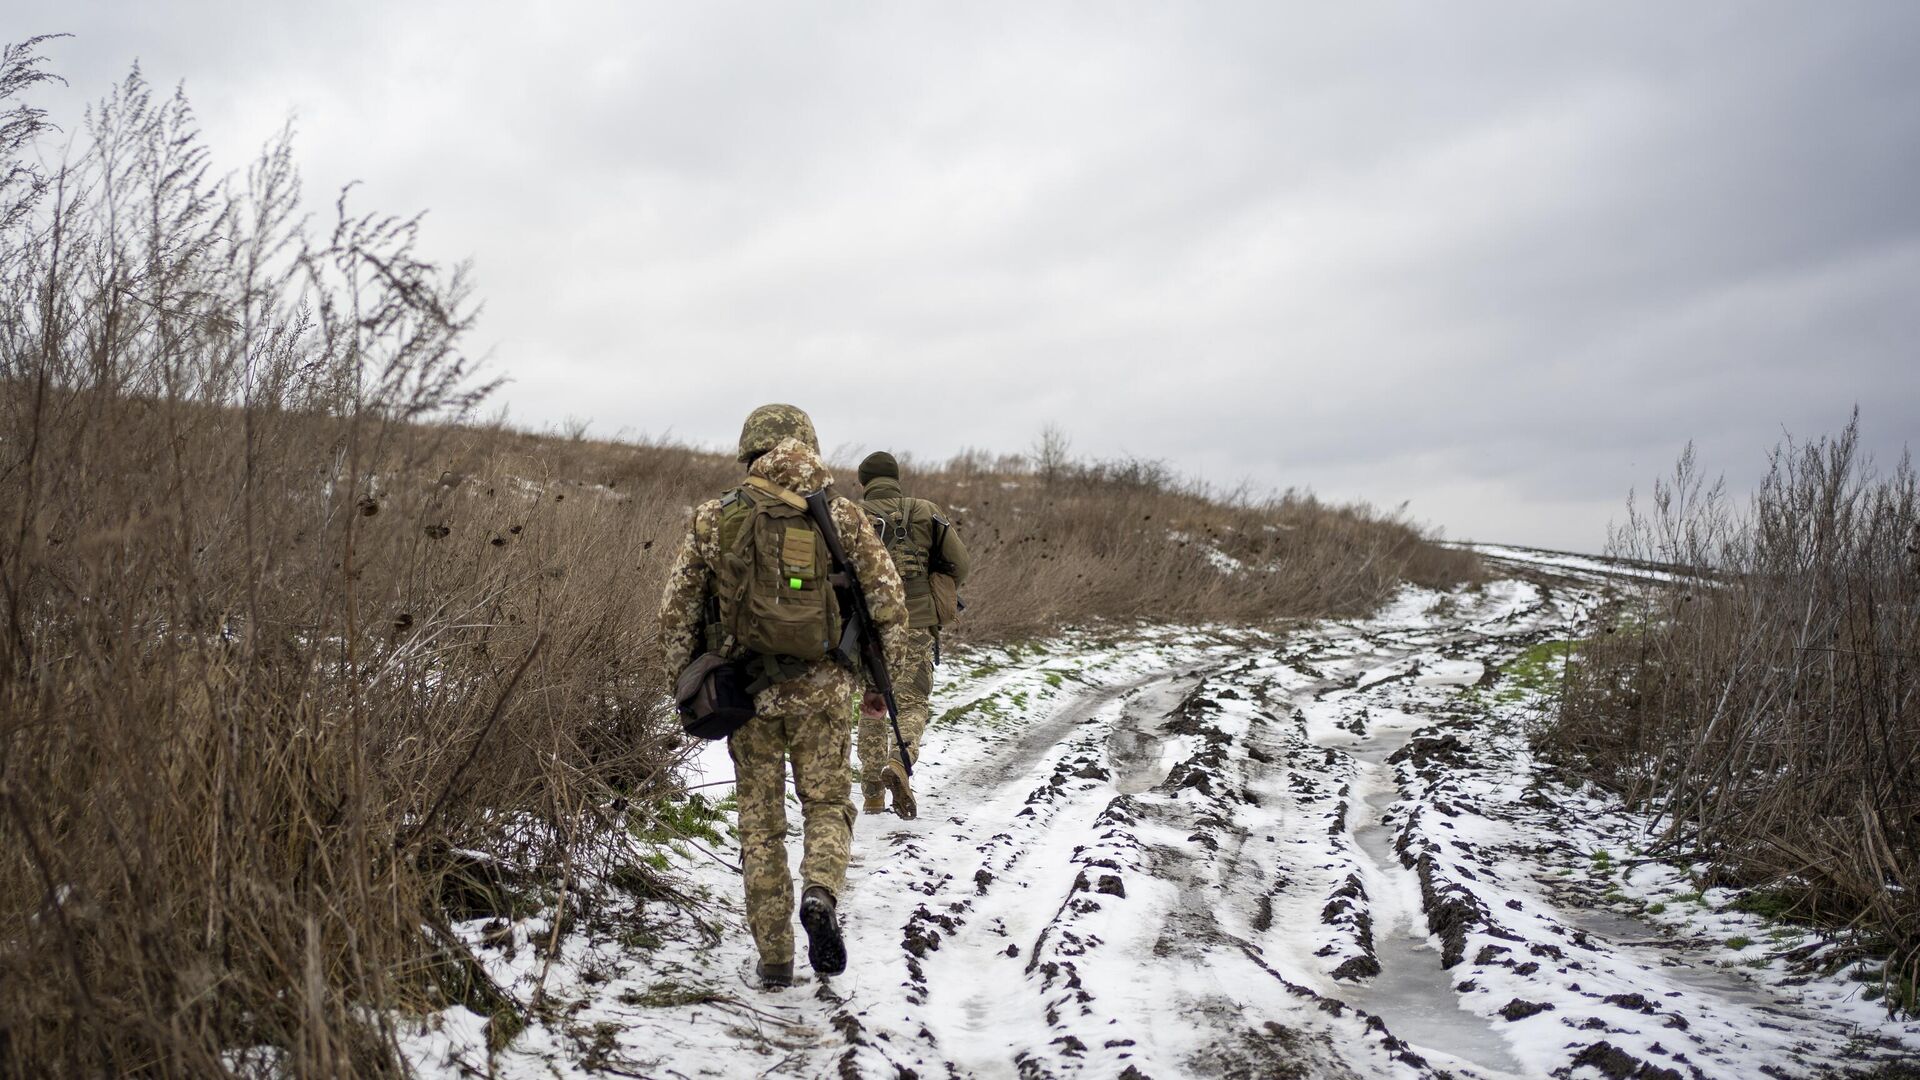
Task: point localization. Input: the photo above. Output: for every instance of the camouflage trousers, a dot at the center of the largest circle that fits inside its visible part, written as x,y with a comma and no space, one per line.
876,736
803,720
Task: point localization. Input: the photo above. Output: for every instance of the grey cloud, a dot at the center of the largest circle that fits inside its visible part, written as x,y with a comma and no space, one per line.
1500,260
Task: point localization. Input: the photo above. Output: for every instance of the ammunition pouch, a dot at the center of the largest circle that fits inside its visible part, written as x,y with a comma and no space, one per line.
762,670
712,696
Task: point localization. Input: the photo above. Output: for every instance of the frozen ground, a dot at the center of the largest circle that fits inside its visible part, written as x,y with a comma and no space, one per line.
1199,853
1568,562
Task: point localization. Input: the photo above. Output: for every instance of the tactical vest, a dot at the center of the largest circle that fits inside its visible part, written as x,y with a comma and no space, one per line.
774,599
907,528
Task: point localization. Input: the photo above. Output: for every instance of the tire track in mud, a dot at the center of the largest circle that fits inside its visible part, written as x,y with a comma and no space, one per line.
1031,931
1317,857
1388,901
1489,957
985,905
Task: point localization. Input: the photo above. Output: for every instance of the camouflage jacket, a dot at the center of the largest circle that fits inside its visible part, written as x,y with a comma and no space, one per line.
883,497
794,466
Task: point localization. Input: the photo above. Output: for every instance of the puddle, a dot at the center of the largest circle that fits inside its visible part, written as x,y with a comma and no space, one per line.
1623,932
1139,755
1413,993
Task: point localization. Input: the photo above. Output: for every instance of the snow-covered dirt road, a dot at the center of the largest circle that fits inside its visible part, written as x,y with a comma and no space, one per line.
1196,853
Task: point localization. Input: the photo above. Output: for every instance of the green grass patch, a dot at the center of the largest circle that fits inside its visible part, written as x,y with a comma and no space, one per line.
638,938
1656,908
1769,903
986,710
635,882
1903,996
670,994
1738,942
689,817
1536,671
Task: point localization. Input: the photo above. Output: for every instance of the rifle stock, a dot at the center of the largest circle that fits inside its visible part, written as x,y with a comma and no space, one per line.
860,637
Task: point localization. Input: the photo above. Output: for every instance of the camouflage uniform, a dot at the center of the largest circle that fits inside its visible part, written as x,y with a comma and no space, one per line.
803,718
910,693
880,475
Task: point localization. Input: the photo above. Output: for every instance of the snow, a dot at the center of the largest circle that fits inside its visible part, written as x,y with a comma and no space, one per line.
1216,558
710,769
1180,851
1451,673
1563,560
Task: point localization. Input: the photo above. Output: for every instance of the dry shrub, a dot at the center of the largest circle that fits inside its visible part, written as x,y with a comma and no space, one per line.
1766,704
1128,540
275,643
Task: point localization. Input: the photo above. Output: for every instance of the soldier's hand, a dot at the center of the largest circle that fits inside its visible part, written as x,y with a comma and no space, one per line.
873,705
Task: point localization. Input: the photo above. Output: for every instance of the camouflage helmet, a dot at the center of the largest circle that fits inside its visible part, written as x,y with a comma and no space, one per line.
768,424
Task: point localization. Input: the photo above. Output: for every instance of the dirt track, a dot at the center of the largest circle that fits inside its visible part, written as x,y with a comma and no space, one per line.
1185,854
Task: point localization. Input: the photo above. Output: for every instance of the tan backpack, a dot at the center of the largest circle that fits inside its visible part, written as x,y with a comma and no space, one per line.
922,571
771,585
946,591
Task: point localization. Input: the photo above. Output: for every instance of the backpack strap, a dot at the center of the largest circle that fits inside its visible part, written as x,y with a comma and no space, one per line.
761,483
728,518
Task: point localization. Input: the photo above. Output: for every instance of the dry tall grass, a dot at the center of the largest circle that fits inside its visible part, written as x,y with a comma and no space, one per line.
1128,540
262,667
284,637
1768,708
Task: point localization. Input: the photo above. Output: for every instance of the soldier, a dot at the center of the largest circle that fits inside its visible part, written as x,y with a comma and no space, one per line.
925,547
799,705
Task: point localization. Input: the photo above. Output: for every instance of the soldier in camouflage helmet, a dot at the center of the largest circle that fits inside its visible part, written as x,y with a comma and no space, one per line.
924,546
802,717
768,424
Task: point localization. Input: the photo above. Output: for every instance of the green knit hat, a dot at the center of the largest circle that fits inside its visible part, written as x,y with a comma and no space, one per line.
878,463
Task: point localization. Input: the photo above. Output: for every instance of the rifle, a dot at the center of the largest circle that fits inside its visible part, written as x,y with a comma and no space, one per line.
859,637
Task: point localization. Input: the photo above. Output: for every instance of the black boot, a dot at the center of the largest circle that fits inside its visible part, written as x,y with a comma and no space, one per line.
826,951
774,976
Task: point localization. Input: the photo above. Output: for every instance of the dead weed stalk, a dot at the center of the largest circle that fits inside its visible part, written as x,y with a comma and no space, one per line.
1766,708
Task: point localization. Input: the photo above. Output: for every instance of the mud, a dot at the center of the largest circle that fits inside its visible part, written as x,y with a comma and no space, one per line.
1183,856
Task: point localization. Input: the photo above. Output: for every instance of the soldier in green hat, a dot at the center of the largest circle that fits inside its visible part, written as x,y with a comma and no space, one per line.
933,563
800,693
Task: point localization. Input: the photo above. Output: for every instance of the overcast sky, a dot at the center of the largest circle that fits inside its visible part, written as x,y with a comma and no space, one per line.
1497,260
